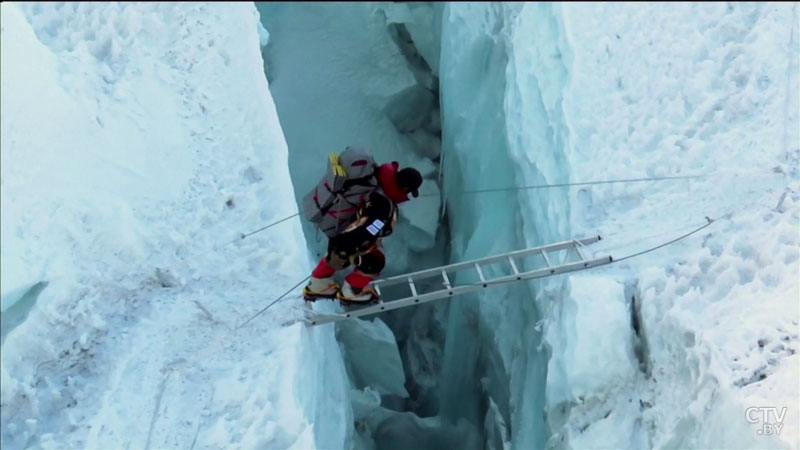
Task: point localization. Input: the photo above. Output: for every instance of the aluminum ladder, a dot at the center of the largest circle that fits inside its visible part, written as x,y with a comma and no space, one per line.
450,290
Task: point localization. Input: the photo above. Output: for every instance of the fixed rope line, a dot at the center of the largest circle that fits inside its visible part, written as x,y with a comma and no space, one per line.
710,221
584,183
450,290
275,301
684,236
696,230
243,235
541,186
223,338
538,186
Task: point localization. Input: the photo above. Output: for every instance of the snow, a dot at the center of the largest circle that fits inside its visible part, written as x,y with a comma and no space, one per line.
593,355
138,142
714,95
687,336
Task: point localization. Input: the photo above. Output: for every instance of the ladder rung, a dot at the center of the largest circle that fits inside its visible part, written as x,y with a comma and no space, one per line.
446,280
578,250
413,288
546,259
513,266
480,274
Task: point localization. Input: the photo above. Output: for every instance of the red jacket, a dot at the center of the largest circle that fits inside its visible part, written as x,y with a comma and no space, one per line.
387,178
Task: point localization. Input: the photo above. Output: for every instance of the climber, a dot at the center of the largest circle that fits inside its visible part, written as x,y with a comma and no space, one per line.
355,205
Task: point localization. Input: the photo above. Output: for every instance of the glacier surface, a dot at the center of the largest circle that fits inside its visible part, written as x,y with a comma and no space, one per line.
137,140
140,140
635,352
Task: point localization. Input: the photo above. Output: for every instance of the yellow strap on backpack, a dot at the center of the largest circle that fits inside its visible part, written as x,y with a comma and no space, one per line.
338,170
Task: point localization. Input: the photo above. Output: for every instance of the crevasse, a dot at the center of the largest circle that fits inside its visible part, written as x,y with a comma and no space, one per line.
542,94
511,132
500,127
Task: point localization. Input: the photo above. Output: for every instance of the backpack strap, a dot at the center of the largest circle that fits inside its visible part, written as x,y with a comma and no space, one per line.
363,181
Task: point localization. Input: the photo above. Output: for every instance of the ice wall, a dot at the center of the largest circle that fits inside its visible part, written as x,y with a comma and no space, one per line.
634,353
138,140
366,74
473,137
351,85
510,133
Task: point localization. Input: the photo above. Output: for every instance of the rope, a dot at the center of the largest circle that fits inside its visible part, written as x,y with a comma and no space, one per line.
221,339
684,236
583,183
541,186
275,301
243,235
520,188
652,249
710,221
630,180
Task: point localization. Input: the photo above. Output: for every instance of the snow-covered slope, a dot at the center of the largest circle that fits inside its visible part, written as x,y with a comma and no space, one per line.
140,140
137,140
670,347
706,89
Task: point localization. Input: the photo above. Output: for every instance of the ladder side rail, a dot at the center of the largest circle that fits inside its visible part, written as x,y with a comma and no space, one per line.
381,307
395,304
555,270
491,259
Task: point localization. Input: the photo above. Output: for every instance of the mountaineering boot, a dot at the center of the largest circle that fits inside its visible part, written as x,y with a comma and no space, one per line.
320,288
349,295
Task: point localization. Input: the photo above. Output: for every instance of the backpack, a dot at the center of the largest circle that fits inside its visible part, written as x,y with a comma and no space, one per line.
333,203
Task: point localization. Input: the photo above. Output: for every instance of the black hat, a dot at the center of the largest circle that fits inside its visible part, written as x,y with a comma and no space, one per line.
410,180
